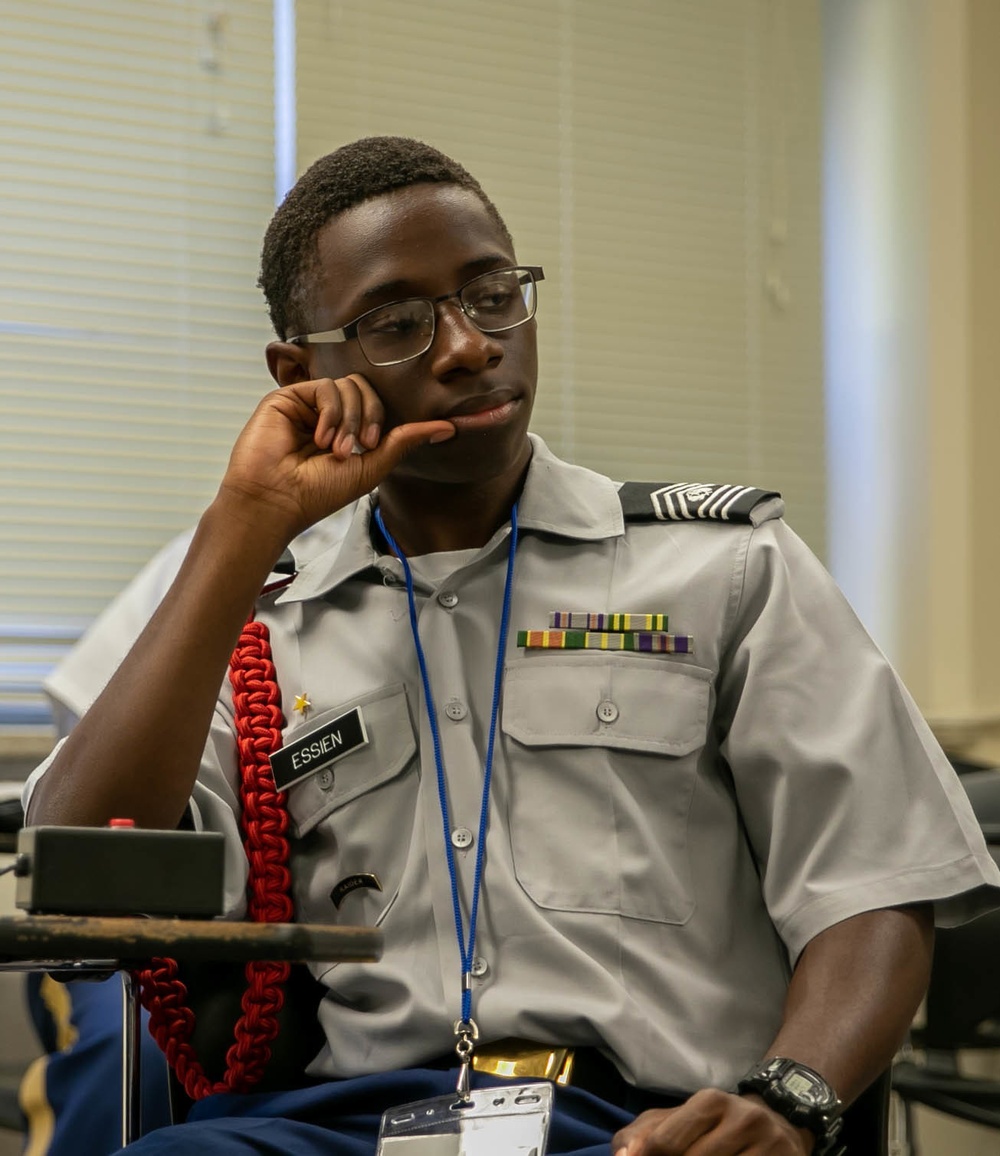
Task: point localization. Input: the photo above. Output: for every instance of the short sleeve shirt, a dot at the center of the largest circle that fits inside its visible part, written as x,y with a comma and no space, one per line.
666,831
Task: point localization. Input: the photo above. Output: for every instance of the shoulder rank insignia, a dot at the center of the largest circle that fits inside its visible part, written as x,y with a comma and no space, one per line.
694,501
285,567
285,564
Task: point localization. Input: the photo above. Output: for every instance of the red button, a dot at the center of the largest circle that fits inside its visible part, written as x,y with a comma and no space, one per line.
121,822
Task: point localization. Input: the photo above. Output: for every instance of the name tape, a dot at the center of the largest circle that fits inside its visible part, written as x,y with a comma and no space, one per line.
319,748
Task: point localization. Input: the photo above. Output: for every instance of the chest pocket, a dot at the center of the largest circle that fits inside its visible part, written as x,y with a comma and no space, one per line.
354,818
603,765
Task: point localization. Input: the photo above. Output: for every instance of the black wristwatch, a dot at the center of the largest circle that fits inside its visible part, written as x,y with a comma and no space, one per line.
799,1094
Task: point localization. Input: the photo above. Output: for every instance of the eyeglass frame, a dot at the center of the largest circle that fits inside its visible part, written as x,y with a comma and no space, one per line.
349,331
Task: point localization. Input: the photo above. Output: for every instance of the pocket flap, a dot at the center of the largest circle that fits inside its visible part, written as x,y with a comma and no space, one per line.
391,745
625,701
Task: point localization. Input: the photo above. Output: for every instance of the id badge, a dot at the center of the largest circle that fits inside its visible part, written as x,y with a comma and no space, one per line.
510,1120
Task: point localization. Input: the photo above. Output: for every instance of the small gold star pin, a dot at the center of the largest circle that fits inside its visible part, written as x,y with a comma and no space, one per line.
302,704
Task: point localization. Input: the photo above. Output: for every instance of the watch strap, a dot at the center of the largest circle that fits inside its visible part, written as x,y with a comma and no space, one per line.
820,1115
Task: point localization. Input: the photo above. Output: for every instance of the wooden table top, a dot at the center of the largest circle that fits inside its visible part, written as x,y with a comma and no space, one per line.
129,939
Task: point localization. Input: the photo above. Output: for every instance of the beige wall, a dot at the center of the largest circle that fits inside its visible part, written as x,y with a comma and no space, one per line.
956,672
984,362
913,343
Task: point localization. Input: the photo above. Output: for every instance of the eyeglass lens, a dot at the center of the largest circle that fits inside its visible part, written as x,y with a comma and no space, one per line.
493,302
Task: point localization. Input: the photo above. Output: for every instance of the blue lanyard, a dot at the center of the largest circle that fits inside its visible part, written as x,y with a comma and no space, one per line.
466,1027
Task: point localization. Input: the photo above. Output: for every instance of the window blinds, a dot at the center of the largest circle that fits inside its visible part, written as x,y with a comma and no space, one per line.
136,146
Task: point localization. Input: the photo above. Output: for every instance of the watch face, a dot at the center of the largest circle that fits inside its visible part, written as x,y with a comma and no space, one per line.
799,1084
806,1089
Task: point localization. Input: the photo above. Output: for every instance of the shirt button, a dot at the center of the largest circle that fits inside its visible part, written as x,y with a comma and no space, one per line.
607,712
455,709
461,838
479,967
325,779
448,599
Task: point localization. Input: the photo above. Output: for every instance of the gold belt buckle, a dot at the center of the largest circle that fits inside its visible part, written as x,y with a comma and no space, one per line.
519,1059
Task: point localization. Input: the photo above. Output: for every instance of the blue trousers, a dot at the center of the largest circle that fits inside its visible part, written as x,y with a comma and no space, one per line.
341,1118
73,1097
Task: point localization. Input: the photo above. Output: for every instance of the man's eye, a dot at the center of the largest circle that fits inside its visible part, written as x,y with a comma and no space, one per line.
393,325
395,322
493,297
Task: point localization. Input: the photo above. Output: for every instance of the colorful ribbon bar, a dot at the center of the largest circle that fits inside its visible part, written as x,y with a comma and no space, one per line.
583,620
653,641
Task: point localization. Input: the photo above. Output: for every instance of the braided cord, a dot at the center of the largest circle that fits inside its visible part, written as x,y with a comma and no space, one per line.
259,723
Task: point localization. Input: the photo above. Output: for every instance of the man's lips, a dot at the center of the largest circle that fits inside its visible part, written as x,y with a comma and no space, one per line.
482,411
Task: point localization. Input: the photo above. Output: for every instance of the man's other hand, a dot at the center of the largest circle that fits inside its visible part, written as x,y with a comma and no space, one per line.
713,1123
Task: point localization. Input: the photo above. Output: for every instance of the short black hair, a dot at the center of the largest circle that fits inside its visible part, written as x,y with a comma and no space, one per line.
356,172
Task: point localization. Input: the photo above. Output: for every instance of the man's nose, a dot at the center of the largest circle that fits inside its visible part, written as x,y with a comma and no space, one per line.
459,345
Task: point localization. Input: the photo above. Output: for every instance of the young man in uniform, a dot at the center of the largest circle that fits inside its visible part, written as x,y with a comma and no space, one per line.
703,853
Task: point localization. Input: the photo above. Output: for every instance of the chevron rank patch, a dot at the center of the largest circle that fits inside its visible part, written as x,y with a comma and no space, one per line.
651,641
695,501
584,620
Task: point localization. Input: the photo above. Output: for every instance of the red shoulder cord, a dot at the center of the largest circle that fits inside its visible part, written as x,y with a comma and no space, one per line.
259,722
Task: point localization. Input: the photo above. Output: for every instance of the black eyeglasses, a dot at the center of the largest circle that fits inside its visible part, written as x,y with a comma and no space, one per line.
390,334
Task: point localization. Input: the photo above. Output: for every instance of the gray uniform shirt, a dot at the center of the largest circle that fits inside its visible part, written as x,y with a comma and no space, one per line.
667,832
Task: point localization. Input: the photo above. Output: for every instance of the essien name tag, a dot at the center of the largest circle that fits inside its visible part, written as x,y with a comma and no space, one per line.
319,748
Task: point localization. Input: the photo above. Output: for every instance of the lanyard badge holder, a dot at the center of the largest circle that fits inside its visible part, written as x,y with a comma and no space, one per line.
512,1118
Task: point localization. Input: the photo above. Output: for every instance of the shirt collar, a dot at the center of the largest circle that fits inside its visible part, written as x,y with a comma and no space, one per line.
558,498
571,501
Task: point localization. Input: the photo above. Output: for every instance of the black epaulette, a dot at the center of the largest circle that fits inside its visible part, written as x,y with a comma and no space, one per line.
285,564
694,501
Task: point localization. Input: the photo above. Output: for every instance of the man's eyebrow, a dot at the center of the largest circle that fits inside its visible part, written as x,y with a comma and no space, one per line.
393,290
485,264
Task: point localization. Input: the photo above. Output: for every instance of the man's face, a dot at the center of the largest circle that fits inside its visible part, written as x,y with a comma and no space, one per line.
425,241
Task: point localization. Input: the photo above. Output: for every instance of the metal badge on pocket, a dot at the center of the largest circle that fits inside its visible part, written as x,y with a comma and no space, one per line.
509,1119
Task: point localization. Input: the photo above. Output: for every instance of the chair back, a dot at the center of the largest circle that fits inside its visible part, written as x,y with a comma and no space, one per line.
983,789
866,1121
963,998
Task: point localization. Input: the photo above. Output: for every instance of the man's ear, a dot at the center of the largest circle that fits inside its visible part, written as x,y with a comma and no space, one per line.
288,364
